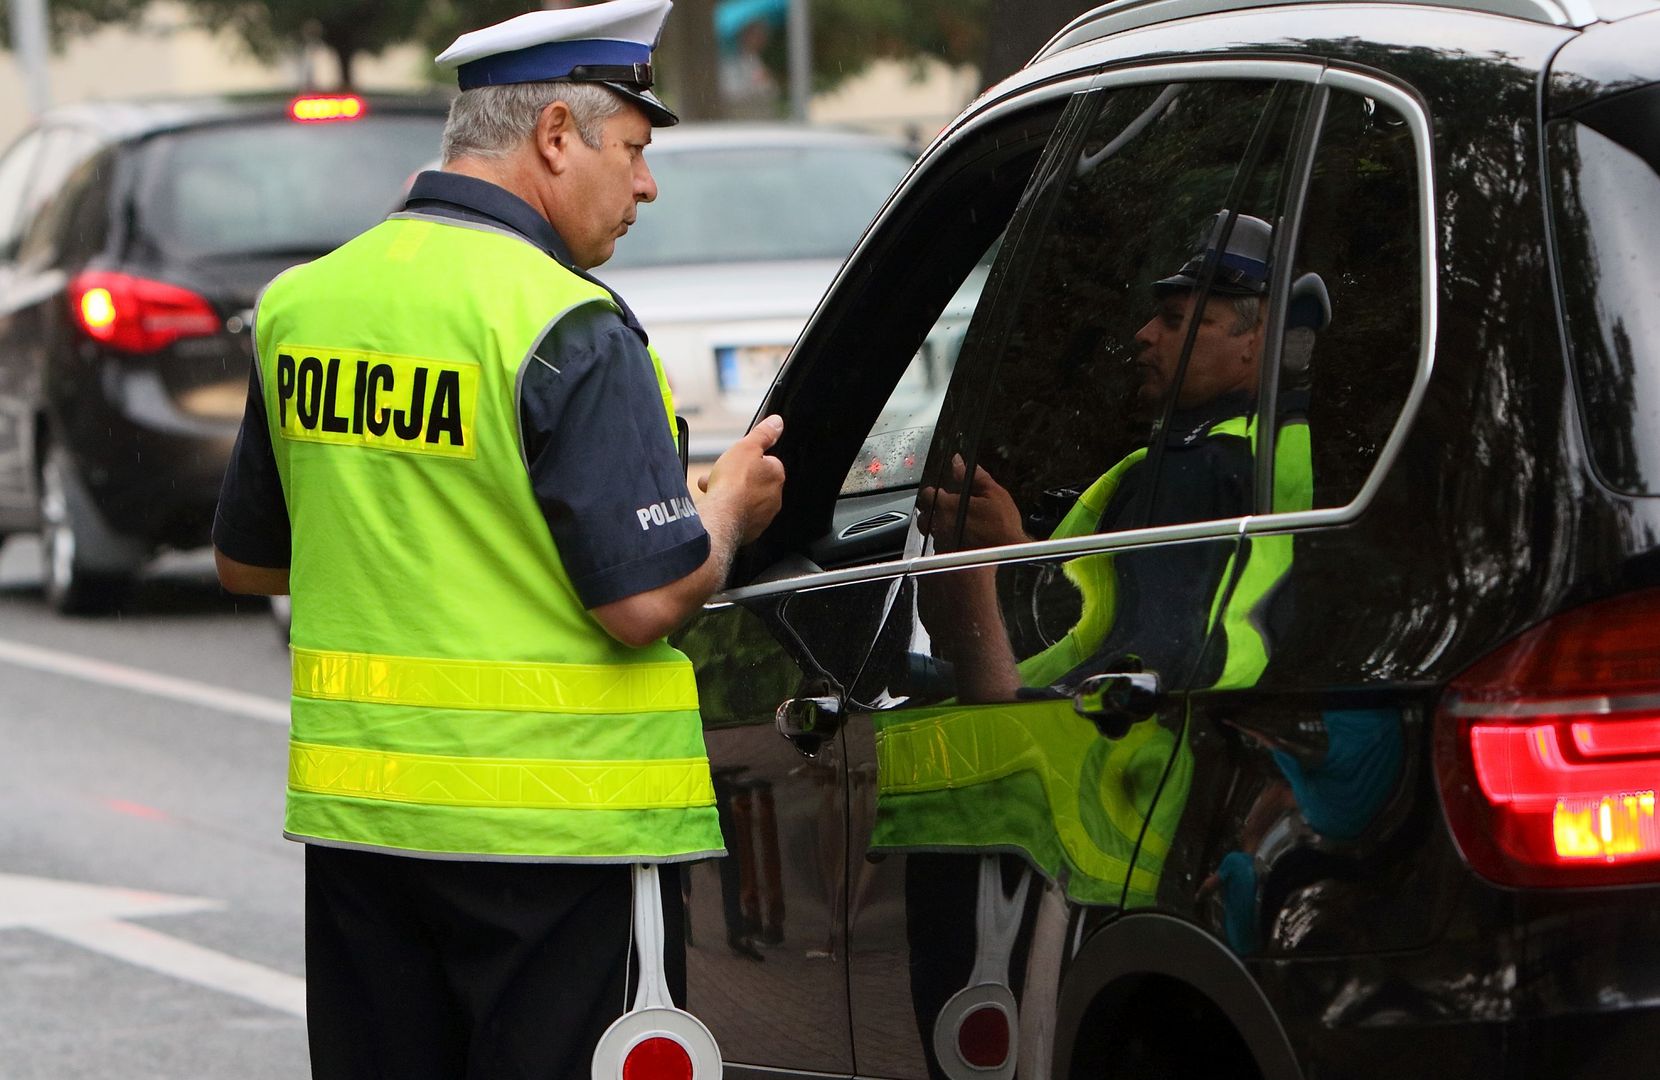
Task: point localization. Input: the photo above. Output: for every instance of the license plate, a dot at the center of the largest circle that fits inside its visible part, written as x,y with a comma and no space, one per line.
748,369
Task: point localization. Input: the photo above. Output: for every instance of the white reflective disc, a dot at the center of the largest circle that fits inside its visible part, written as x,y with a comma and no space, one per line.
633,1028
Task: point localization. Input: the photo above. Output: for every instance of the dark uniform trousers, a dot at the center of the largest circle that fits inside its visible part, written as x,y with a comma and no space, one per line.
430,969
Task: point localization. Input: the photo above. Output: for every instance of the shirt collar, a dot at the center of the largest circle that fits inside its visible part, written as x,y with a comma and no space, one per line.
488,200
1188,426
471,198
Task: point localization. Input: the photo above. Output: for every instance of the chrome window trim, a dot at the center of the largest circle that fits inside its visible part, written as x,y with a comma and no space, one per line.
1312,72
1590,705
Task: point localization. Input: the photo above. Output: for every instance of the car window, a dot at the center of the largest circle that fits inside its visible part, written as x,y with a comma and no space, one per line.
1360,236
864,364
749,203
75,221
1095,368
64,151
1605,188
274,187
893,452
15,170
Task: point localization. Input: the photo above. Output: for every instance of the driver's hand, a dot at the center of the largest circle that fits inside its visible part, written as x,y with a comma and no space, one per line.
993,518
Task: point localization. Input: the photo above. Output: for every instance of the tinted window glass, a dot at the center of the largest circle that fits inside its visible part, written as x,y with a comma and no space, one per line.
1360,239
1098,412
1608,229
14,180
892,456
275,186
75,223
743,203
920,278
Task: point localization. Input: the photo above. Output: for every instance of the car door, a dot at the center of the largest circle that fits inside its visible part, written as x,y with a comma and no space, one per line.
768,962
1015,741
16,488
1306,747
32,315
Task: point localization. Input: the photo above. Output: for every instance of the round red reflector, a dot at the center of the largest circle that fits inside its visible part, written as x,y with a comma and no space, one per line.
657,1058
983,1037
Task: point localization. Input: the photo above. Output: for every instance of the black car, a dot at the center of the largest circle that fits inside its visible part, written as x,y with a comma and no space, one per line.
1076,718
134,238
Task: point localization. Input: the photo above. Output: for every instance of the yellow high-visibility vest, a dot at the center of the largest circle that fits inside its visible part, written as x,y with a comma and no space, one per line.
452,696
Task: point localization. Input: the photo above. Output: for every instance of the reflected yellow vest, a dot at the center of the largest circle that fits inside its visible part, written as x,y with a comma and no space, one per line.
451,694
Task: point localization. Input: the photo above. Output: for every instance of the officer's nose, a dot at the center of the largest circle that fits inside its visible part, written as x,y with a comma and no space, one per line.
645,184
1144,336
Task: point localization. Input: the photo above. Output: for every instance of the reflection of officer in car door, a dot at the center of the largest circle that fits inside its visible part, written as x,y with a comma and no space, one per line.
1160,604
1155,604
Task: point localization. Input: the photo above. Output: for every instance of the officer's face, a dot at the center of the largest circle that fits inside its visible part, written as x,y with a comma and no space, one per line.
1223,359
606,187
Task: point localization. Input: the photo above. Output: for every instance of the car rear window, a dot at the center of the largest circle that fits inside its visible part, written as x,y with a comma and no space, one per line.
1605,166
741,204
275,187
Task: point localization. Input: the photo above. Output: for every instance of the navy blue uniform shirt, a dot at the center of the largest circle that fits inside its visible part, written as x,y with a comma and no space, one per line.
599,450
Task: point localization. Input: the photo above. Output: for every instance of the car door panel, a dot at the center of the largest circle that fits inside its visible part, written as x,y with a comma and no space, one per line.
767,950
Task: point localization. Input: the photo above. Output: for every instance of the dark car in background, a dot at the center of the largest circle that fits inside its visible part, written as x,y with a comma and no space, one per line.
1333,755
134,239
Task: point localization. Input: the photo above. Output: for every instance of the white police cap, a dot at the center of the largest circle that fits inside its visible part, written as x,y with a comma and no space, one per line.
607,43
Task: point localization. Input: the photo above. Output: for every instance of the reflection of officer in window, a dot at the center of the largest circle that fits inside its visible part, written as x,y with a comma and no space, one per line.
1154,604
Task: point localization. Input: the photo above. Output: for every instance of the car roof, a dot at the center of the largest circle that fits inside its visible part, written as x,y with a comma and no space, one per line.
1123,15
134,118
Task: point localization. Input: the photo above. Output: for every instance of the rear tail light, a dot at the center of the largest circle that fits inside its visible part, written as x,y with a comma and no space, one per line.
322,108
136,314
1548,750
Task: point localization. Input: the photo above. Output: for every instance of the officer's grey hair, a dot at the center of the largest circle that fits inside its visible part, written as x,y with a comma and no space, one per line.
1247,313
493,121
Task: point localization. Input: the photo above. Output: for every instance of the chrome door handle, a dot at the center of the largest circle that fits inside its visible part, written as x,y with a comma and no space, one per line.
808,721
1117,701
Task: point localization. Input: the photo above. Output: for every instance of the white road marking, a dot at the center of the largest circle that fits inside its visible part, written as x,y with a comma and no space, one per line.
91,916
144,682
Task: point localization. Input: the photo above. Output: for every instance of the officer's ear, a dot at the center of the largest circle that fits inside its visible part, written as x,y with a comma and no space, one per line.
555,130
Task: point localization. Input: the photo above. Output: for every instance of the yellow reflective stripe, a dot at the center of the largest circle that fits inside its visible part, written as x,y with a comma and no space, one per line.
499,686
518,783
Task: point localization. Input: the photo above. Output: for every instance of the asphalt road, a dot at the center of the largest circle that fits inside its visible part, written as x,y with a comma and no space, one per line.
150,910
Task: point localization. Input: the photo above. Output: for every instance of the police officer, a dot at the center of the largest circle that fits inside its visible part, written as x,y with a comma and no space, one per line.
459,456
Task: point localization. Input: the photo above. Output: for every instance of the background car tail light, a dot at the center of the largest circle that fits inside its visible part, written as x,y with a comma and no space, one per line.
322,108
136,314
1548,750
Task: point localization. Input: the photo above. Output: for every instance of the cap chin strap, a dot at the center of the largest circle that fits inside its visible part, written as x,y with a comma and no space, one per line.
635,75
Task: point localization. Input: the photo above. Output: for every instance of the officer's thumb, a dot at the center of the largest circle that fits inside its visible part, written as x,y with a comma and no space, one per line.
766,433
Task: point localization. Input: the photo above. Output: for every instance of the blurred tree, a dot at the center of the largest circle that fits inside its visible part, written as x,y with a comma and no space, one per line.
347,28
70,18
996,36
1015,29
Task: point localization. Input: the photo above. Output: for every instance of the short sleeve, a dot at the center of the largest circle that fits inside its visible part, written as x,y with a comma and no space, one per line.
602,460
251,522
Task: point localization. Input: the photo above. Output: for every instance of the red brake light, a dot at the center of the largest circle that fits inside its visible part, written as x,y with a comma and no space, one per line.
322,108
1548,751
135,314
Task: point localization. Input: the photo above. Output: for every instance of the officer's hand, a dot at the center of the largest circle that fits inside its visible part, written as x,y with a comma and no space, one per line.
750,479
